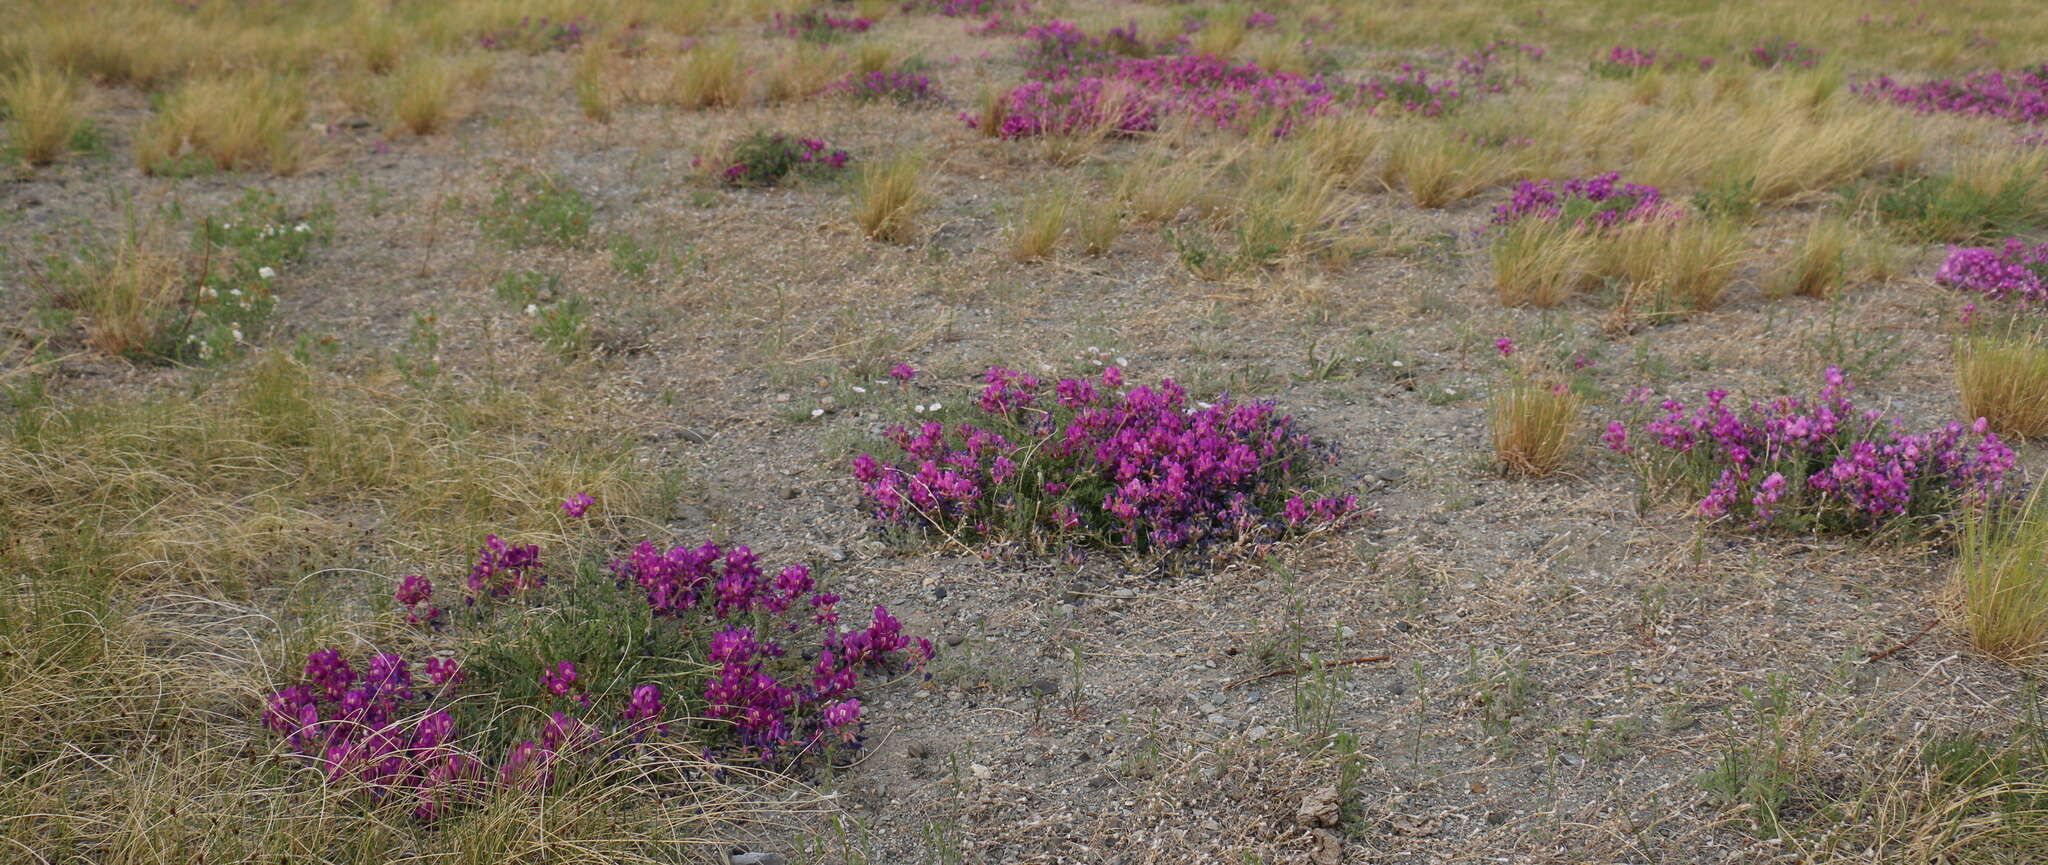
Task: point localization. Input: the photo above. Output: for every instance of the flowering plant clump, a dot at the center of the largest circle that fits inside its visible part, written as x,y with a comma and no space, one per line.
2021,96
1623,61
1058,47
815,26
2015,270
1601,201
692,645
977,8
537,35
768,158
902,87
1819,463
1780,51
1134,95
1086,460
1411,89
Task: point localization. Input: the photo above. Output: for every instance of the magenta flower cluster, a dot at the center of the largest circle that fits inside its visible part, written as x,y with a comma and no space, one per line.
902,88
2015,270
2020,96
1820,462
1623,61
817,26
502,570
776,704
1135,95
778,672
1600,201
400,739
1141,469
1780,51
1413,90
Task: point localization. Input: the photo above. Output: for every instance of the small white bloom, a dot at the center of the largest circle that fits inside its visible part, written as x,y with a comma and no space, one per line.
859,389
1123,361
1394,363
266,272
302,228
817,412
918,408
936,406
532,309
236,333
1204,404
1450,391
1096,362
234,292
206,291
1094,349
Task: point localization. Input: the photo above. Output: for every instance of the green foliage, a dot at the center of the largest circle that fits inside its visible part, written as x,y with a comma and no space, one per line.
532,210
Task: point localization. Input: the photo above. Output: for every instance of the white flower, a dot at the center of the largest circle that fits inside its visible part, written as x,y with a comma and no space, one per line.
1450,392
817,412
918,408
1394,363
1123,361
207,291
236,332
859,389
936,406
302,228
234,292
532,309
266,272
1094,349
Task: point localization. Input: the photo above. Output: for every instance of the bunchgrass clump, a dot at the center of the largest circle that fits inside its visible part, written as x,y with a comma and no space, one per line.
235,123
1820,464
710,75
2002,573
1535,426
1539,263
44,113
889,198
2002,376
531,209
1089,463
1818,266
421,95
1037,227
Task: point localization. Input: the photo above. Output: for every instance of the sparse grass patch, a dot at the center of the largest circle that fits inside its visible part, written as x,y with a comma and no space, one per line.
889,197
531,209
1438,169
129,293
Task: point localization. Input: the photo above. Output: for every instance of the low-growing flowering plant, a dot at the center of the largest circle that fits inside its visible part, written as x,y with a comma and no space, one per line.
903,87
768,158
2020,96
1819,463
817,26
2015,270
1780,51
1599,202
1088,461
696,645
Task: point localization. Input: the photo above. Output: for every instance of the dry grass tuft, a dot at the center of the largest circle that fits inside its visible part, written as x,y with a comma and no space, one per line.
2002,572
1038,226
1437,169
232,123
422,95
889,198
1536,263
45,113
711,75
128,294
2003,378
1818,267
1535,426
